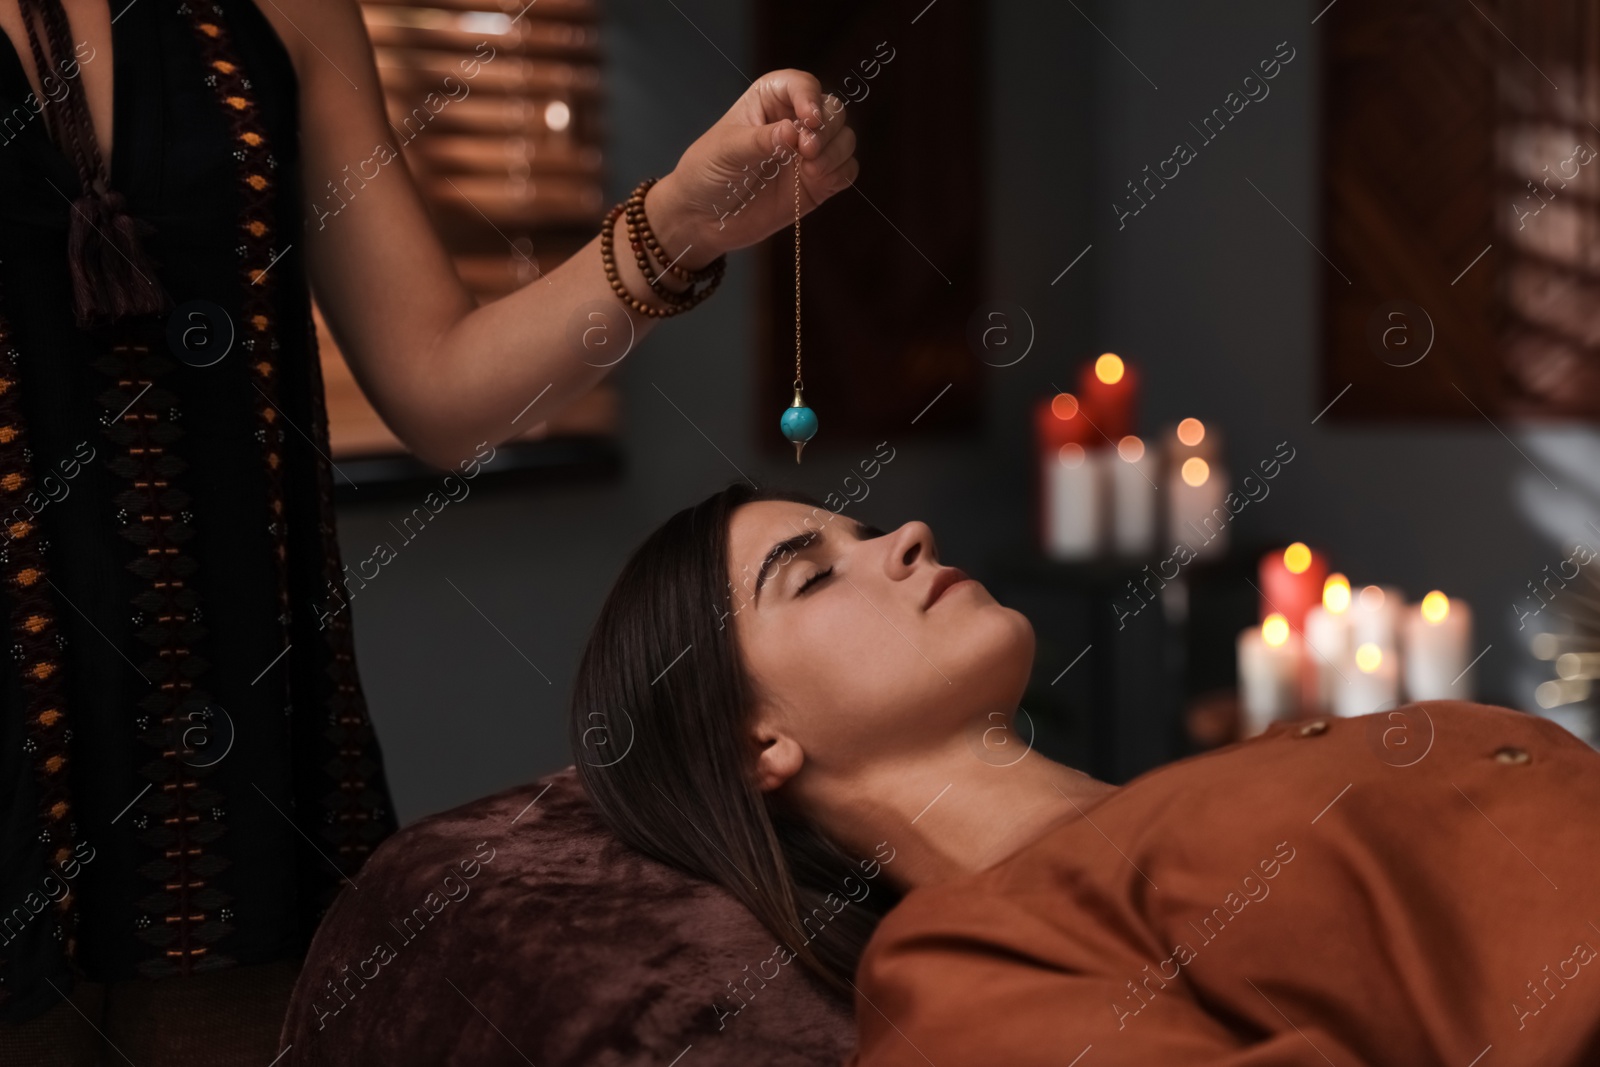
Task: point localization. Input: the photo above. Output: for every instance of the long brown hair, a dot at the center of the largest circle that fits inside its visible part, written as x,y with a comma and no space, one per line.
657,728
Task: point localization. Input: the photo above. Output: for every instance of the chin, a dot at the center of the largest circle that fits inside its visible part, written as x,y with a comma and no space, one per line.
998,654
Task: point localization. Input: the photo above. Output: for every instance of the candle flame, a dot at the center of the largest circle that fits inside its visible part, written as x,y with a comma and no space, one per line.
1275,630
1191,431
1435,607
1195,471
1064,406
1109,369
1297,557
1369,657
1131,448
1071,455
1336,593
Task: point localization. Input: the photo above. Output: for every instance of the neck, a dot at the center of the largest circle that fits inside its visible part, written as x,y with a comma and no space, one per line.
947,813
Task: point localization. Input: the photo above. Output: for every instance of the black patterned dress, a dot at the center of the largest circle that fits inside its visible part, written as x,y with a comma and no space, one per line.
187,770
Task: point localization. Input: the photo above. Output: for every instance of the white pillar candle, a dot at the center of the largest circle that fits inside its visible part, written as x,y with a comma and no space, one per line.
1438,644
1371,681
1196,516
1327,638
1375,618
1269,674
1133,498
1074,503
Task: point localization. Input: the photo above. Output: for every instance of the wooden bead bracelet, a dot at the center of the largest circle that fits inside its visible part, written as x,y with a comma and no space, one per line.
642,240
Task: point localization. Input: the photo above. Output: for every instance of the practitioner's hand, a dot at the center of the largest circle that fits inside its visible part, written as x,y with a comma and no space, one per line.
752,147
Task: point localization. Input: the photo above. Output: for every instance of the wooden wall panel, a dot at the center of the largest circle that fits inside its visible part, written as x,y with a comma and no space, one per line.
1436,116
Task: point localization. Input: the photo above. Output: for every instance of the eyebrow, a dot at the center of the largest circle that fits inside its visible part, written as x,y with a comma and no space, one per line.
800,542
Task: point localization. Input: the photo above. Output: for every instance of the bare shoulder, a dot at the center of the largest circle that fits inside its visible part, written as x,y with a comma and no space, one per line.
323,37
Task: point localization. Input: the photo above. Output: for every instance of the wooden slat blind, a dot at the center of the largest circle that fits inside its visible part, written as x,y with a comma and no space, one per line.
1439,121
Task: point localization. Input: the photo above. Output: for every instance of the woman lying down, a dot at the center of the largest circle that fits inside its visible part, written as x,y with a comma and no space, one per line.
1303,897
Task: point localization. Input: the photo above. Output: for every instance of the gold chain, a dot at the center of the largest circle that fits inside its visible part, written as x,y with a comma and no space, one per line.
797,265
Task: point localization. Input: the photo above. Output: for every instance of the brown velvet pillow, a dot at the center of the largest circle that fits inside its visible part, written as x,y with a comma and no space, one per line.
517,929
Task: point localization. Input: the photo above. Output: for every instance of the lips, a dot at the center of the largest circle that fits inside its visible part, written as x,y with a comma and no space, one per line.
944,580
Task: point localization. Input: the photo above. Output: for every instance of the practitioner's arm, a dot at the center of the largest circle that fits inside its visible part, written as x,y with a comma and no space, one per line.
443,373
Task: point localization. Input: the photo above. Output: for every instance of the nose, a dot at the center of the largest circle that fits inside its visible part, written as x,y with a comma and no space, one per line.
910,545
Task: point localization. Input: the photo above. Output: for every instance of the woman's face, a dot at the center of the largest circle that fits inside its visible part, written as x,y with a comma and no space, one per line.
860,644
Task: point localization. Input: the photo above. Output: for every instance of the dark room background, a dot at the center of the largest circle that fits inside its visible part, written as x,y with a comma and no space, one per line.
468,643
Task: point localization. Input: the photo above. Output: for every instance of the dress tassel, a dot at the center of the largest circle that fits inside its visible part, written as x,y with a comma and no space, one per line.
112,277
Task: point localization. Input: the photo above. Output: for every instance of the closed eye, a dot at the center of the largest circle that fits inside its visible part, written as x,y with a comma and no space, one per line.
814,579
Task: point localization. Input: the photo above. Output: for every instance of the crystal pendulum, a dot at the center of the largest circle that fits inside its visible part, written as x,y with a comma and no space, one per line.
799,422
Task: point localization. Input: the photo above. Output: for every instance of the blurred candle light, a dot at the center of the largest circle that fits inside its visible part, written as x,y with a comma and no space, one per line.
1191,437
1574,665
1371,681
1336,593
1108,388
1553,694
1077,504
1291,582
1547,645
1438,649
1269,658
1195,513
1435,607
1327,637
1133,498
1071,496
1375,617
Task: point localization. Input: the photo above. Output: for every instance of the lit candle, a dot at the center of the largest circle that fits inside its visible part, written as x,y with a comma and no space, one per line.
1291,582
1327,638
1191,434
1375,617
1371,681
1269,674
1058,420
1438,643
1109,389
1195,514
1071,491
1133,498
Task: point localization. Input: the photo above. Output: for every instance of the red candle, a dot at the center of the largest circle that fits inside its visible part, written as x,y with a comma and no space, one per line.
1291,583
1058,420
1109,391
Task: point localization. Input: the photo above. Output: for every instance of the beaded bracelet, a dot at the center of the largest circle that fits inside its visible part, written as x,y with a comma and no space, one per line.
634,210
646,267
640,237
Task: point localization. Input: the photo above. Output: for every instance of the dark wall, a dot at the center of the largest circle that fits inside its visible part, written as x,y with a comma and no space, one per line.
469,639
1214,291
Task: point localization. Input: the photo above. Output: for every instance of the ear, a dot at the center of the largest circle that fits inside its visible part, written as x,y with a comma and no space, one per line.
779,756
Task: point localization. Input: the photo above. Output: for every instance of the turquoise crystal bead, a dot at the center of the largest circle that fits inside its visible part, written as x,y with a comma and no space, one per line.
798,424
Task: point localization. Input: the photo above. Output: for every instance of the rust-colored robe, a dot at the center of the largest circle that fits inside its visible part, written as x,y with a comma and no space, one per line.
1415,887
